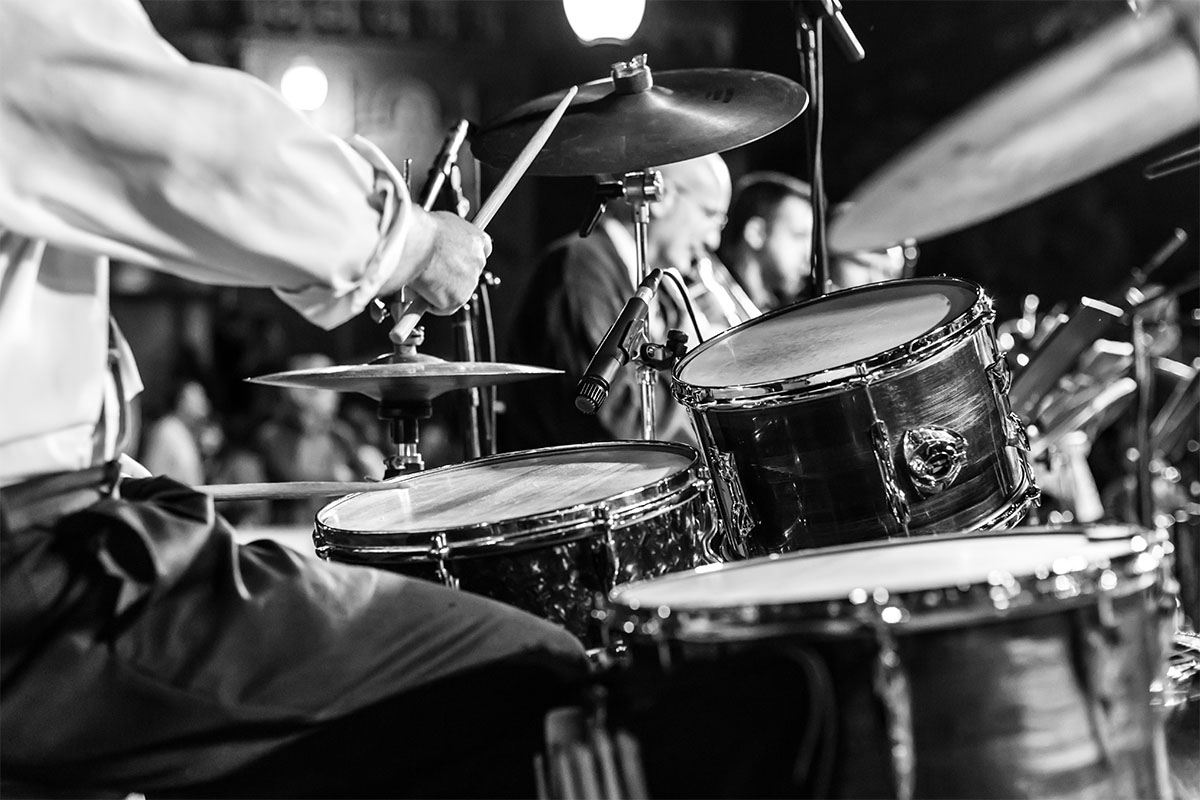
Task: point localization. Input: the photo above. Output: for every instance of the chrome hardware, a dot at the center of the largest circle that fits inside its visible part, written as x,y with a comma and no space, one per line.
1015,432
741,520
881,443
934,456
440,549
1001,379
892,688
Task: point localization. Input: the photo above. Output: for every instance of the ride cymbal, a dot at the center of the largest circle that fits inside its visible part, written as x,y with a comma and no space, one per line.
634,120
1127,87
406,381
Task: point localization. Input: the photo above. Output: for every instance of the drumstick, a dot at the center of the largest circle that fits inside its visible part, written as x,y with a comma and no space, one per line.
298,490
408,318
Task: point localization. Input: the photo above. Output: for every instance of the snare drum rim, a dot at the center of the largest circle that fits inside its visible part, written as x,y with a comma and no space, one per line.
882,365
616,511
934,607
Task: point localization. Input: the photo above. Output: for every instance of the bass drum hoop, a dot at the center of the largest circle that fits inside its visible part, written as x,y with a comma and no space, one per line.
518,533
886,364
935,607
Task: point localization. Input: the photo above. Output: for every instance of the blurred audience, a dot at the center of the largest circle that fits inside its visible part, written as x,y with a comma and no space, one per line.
306,440
181,442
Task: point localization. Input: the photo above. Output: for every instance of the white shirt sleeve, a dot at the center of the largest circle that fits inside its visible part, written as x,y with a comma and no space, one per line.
112,143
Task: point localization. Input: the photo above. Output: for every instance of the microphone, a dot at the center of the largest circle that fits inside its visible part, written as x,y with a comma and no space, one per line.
613,352
440,168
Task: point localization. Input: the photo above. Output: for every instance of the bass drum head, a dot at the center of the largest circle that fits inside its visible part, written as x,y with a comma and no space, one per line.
511,487
837,330
834,580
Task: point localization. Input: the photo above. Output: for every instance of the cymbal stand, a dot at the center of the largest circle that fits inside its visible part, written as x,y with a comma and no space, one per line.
403,418
640,189
1143,375
403,428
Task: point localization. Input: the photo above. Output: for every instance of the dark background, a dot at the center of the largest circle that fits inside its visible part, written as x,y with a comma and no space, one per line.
926,59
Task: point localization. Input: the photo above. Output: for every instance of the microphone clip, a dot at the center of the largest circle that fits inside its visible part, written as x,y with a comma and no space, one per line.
664,356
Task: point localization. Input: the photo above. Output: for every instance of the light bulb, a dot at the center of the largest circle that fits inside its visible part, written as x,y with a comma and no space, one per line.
604,21
304,85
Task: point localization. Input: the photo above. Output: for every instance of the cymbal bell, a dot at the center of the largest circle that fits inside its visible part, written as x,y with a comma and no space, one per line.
614,126
1128,86
405,381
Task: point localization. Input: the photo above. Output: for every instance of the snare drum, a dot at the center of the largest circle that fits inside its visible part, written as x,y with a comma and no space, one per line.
544,530
1002,664
870,413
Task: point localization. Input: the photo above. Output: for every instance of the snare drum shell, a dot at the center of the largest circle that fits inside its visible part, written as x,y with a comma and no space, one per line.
796,468
553,564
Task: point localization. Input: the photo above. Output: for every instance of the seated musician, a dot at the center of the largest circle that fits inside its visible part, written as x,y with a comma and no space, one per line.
144,650
768,242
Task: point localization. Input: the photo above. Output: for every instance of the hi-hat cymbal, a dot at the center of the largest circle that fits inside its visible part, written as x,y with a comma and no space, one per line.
406,381
1125,88
610,128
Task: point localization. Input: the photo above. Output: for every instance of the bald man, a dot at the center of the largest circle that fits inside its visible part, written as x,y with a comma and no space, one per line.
582,284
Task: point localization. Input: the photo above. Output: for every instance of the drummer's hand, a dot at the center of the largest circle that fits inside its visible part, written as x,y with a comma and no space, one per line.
446,255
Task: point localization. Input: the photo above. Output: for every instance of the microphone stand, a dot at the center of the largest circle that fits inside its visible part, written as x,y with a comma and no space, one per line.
810,46
640,189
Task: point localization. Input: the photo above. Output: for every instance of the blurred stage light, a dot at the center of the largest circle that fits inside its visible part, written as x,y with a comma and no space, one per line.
304,85
604,21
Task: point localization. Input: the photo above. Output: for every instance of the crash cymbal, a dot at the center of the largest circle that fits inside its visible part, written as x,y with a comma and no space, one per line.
407,381
618,125
1125,88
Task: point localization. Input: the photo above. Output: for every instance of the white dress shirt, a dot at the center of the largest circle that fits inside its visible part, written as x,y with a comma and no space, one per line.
113,145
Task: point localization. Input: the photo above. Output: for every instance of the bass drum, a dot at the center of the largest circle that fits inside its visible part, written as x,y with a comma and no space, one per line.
544,530
1014,664
871,413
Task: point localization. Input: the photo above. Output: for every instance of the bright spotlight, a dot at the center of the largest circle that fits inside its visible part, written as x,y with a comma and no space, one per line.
604,21
304,85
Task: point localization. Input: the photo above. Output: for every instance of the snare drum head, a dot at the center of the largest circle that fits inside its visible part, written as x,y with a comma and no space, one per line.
843,576
836,330
517,486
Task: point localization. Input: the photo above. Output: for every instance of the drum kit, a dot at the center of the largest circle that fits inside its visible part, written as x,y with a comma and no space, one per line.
862,466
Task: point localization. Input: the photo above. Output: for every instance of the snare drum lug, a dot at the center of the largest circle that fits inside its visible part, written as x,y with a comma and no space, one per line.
741,520
440,549
934,457
1001,378
1015,433
896,499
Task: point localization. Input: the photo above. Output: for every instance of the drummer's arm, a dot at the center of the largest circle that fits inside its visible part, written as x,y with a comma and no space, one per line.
213,177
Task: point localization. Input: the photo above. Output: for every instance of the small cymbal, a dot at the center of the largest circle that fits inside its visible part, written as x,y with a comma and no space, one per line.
607,130
1127,87
406,381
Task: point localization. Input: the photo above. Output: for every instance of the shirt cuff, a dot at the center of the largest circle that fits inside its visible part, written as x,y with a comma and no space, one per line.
337,302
